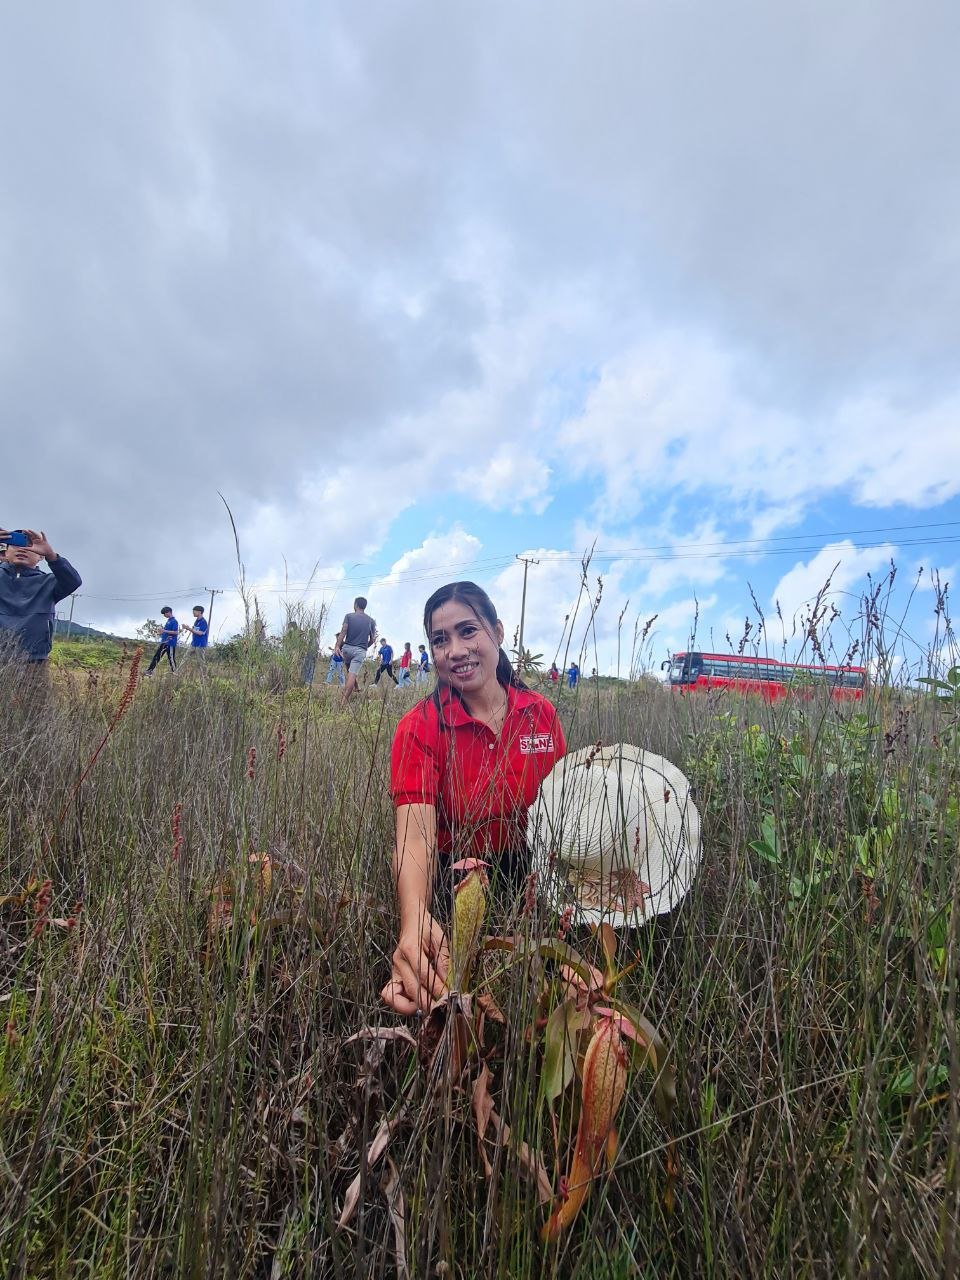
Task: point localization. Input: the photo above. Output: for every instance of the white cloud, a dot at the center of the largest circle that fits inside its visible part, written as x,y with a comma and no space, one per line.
674,628
337,263
397,598
837,575
562,619
514,478
679,413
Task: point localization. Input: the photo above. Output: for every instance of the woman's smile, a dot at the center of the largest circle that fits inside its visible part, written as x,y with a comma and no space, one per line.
463,670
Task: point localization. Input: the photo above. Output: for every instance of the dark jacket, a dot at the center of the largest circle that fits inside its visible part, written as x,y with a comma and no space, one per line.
27,600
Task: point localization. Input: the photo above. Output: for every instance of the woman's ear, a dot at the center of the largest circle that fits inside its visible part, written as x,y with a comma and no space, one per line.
499,632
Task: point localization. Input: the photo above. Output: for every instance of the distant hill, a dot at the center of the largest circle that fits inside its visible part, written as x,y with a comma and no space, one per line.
62,629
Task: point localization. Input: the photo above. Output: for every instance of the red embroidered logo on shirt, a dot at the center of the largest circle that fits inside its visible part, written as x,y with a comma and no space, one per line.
536,744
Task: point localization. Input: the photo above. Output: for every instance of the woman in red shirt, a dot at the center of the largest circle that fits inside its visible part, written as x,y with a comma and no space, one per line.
466,765
405,659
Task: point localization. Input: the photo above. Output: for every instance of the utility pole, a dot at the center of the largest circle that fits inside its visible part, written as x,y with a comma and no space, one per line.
526,561
214,591
70,619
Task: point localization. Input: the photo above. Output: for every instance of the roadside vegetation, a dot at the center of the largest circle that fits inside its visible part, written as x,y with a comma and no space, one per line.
195,920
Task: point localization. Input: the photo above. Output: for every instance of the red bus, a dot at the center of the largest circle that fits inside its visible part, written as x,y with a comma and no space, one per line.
766,676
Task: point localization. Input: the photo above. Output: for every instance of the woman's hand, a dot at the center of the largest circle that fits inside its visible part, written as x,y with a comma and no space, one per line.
420,964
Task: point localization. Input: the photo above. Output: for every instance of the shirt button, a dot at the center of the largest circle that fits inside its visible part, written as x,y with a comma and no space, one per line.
491,745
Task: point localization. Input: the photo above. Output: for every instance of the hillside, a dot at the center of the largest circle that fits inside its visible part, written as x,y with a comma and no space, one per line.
63,629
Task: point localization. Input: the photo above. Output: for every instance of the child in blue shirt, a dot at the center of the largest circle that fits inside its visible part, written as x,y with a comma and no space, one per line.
386,663
198,632
423,666
168,640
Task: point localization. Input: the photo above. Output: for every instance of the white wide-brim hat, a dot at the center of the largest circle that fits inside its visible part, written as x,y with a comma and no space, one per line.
614,834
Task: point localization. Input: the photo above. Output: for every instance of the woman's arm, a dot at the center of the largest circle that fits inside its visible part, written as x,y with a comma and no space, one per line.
421,958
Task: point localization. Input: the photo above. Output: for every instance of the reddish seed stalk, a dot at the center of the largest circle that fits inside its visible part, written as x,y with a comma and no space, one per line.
41,907
125,700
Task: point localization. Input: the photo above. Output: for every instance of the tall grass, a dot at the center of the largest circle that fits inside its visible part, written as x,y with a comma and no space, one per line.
176,1094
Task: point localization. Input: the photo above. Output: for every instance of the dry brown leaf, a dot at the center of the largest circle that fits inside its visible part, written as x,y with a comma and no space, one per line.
381,1140
382,1033
390,1186
486,1002
531,1160
482,1102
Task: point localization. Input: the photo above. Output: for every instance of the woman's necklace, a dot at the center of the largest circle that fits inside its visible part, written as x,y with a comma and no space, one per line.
500,715
494,720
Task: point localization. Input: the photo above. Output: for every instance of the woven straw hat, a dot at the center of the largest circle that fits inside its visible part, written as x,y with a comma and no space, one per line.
614,834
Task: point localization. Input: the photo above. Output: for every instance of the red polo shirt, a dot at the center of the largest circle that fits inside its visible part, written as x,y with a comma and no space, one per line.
481,783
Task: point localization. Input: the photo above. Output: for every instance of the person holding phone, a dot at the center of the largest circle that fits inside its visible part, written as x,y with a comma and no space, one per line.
167,648
28,595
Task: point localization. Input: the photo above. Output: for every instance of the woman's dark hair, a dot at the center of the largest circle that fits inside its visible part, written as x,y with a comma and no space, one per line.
474,598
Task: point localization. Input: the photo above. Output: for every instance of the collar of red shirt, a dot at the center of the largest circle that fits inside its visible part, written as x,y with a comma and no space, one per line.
454,713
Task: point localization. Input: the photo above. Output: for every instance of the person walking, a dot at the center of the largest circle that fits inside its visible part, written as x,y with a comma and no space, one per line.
406,658
28,596
198,634
168,641
199,631
385,653
554,673
423,665
573,675
356,635
335,668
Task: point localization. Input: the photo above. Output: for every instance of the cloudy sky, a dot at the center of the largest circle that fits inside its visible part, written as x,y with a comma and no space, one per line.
422,287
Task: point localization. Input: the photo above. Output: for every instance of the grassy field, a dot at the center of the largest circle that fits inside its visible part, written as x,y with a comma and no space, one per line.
180,1094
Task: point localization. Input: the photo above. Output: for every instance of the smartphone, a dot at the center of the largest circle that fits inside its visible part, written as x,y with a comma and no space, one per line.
16,538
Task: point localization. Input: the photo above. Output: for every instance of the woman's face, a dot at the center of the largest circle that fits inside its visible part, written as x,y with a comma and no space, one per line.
465,649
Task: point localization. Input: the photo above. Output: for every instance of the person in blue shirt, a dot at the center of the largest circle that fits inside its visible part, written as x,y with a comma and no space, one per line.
28,596
168,640
385,668
335,668
573,675
423,666
198,632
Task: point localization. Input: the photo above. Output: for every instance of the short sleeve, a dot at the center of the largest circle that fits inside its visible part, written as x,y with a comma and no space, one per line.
559,739
415,759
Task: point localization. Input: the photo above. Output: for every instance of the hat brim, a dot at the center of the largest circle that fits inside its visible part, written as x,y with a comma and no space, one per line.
666,860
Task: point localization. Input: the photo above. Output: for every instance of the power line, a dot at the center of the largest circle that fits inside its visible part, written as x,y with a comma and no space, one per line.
788,537
730,549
